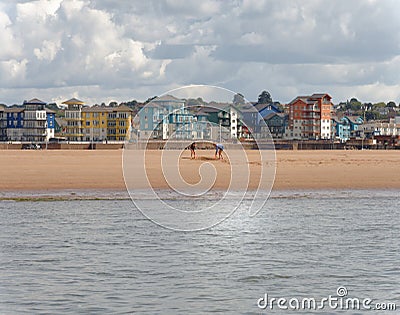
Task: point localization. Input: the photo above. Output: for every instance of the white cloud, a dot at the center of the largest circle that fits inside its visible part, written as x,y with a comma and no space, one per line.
48,50
103,49
13,71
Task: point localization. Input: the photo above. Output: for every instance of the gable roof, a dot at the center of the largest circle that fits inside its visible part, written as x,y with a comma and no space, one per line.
14,109
319,95
73,101
353,119
106,109
272,114
310,99
35,101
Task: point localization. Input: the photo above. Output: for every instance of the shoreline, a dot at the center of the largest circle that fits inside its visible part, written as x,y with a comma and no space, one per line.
24,172
60,196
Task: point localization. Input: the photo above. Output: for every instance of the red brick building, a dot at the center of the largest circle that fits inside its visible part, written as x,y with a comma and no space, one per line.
310,117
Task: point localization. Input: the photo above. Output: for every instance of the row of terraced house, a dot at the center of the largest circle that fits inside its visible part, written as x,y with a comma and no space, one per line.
96,123
33,122
305,118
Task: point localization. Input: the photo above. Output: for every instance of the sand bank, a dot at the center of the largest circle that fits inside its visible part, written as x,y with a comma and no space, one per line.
59,170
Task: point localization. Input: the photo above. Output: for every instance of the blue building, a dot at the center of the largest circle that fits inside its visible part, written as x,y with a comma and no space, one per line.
15,123
252,117
32,122
165,117
347,127
356,126
3,124
266,109
277,124
51,124
341,128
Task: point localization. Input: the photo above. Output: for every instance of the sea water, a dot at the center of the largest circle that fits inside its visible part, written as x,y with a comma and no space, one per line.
105,257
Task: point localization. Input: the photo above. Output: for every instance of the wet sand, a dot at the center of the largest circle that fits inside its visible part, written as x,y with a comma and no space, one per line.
102,170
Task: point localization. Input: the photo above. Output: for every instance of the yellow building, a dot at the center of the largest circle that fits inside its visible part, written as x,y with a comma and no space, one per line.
73,118
105,123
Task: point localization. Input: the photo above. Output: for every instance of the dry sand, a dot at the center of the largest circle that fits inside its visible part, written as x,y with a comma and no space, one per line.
57,170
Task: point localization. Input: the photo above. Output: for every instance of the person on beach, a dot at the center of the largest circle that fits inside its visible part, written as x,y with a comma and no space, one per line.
193,150
218,151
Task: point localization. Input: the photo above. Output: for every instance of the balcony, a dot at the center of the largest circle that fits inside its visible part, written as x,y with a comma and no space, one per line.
310,123
311,116
312,109
73,119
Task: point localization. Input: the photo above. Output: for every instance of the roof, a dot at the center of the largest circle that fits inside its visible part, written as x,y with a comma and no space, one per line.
319,95
215,106
121,108
73,101
248,109
50,111
207,109
270,115
35,101
310,99
14,109
95,109
299,98
260,107
100,109
353,119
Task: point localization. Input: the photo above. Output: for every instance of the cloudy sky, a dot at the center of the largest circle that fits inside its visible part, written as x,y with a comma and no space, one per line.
103,50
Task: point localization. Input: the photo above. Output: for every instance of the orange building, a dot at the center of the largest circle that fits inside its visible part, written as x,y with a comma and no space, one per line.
310,117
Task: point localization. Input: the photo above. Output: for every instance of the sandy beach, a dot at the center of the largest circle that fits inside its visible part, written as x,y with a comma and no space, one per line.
74,170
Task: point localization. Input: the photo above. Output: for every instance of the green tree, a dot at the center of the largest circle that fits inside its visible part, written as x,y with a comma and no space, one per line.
372,115
264,98
354,104
379,105
391,104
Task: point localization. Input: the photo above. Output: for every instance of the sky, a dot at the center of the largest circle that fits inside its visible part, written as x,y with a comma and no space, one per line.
104,50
